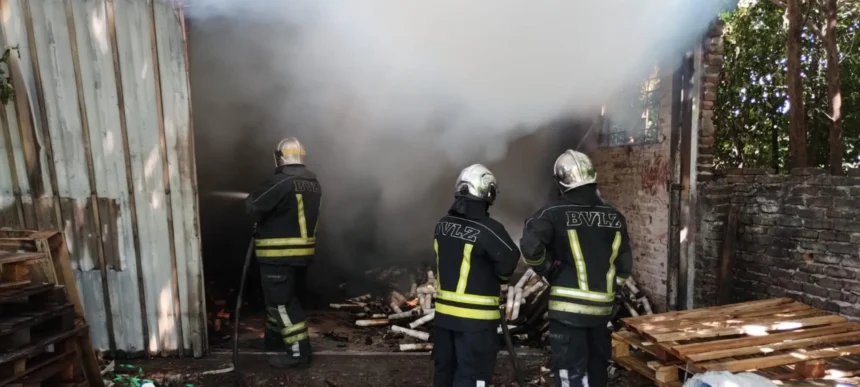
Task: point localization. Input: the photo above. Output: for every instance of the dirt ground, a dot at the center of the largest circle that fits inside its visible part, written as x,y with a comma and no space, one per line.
345,356
341,370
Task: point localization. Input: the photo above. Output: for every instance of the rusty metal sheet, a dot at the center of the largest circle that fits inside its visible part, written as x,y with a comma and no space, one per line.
100,97
142,121
98,143
178,140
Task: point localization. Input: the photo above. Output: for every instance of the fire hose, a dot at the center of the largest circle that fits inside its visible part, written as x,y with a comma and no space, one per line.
240,379
510,346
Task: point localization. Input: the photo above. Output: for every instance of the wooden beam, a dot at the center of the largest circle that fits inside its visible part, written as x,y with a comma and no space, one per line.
727,257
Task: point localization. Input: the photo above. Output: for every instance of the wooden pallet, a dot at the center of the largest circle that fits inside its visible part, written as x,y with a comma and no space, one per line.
643,359
53,268
32,294
24,327
56,351
759,335
15,268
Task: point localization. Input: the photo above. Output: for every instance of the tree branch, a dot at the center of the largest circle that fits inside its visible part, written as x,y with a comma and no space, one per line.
812,27
779,3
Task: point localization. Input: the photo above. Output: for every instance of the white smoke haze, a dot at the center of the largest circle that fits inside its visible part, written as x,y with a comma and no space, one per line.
393,97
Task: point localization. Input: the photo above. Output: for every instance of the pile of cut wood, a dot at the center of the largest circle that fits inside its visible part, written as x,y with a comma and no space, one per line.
406,306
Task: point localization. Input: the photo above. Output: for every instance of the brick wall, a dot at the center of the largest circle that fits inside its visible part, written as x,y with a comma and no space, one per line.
798,236
634,179
712,56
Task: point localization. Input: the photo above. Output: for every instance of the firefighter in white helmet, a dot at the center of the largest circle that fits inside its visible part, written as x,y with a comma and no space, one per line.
474,255
286,209
580,244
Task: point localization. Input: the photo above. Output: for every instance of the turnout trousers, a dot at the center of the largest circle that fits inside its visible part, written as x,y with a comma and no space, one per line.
580,355
286,329
464,359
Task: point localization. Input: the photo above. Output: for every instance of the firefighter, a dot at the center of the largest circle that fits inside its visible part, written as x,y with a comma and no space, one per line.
474,255
286,209
580,244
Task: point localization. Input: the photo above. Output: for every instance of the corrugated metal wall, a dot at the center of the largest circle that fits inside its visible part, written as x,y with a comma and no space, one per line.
98,143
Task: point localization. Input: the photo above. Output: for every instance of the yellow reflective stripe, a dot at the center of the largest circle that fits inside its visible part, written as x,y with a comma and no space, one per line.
581,294
285,241
610,275
537,261
465,266
293,339
620,281
503,278
318,220
562,306
285,252
436,249
272,319
475,314
292,329
303,227
578,259
467,298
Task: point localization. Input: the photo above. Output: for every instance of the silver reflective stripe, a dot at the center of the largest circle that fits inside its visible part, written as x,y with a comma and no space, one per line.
282,310
480,383
585,381
562,376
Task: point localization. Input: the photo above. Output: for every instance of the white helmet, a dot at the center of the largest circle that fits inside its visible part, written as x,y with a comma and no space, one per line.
573,169
290,151
477,182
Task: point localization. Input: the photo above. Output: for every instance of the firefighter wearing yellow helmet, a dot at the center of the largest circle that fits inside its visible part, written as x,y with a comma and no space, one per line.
286,209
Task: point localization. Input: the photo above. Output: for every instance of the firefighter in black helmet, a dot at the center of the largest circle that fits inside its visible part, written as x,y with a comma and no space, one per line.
580,244
286,209
474,255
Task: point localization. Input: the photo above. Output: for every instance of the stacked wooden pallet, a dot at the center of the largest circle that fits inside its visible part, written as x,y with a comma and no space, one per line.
44,340
778,338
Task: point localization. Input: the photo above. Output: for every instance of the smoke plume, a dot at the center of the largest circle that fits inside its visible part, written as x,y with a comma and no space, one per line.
392,98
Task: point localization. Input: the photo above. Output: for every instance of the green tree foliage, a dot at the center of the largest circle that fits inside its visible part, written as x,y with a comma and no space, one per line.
751,107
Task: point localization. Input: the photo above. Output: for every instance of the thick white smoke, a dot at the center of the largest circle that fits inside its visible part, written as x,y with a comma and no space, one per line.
393,97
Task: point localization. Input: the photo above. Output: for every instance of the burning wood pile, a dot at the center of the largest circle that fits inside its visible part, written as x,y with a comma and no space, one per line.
404,305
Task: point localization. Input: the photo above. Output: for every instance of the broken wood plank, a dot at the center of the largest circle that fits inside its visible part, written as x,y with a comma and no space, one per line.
812,369
717,323
709,346
19,257
727,257
639,363
635,340
779,359
766,311
620,348
731,308
851,337
765,326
